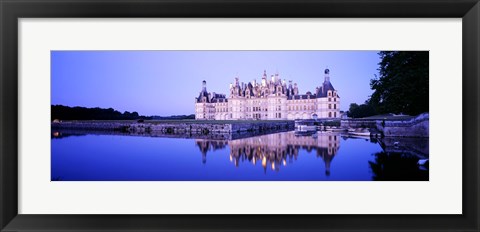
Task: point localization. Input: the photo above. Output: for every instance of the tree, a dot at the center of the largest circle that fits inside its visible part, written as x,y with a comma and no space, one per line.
402,86
360,111
352,110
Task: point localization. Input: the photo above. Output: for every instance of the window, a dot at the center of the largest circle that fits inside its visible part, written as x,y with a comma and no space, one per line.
329,106
335,114
334,106
329,114
329,99
334,99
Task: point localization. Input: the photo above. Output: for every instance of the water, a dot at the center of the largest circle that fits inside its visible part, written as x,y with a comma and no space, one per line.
283,156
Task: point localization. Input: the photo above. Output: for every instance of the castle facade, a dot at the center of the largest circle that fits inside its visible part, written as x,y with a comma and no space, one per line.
268,100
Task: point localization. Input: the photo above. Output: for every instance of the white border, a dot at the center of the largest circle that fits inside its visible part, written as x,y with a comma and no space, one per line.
441,195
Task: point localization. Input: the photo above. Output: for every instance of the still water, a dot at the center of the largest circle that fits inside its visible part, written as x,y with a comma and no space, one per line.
284,156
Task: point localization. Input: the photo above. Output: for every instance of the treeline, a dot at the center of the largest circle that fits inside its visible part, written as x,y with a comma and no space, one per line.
402,86
174,117
60,112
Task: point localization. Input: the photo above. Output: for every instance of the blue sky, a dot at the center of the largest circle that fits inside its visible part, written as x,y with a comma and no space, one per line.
167,82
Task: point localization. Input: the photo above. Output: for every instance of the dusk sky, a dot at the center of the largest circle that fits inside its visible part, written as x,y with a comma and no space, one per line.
166,82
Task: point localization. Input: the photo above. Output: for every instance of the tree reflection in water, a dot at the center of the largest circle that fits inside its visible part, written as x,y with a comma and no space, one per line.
394,166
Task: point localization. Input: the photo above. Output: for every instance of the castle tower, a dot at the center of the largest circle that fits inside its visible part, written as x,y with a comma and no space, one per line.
327,75
236,82
204,86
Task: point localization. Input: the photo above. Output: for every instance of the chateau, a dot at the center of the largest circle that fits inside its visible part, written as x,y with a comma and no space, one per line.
268,100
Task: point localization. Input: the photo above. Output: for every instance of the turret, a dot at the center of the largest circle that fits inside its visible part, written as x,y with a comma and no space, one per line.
327,75
236,82
204,86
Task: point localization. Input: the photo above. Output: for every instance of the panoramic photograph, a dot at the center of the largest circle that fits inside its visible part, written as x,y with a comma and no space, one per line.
239,115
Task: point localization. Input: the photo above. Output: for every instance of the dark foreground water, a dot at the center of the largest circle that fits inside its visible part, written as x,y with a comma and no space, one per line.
283,156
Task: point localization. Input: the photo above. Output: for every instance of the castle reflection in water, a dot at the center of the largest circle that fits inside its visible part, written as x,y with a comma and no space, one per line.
274,150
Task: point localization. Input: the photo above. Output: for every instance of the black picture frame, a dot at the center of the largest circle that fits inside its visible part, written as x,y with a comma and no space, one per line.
12,10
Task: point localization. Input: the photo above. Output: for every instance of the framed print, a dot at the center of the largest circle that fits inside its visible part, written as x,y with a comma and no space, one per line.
227,115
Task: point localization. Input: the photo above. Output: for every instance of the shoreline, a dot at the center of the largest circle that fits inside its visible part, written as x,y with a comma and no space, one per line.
176,127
